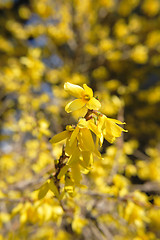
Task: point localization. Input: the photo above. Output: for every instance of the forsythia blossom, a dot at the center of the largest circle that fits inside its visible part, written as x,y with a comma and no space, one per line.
109,128
84,95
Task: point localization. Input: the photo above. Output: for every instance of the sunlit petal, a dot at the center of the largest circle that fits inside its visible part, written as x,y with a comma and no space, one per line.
82,123
73,89
113,128
94,104
76,174
88,90
59,137
70,149
75,156
117,121
87,142
73,136
87,160
94,128
80,112
109,138
74,105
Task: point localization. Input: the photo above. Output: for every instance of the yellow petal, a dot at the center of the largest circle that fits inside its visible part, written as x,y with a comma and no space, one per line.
87,160
117,121
109,138
94,128
75,156
101,122
74,105
59,137
86,140
82,123
113,128
73,89
93,103
70,149
75,173
80,112
101,140
88,90
73,136
97,153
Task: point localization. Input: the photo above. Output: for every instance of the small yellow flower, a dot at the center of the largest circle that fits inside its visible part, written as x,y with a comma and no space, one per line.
110,129
84,95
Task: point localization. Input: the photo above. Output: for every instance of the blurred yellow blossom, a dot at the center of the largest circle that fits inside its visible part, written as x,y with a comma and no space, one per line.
140,54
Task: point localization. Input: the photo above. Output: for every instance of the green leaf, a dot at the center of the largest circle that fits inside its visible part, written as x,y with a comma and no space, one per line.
53,188
43,190
63,171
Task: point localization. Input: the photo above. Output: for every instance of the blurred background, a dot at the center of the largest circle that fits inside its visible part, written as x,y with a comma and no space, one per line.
114,47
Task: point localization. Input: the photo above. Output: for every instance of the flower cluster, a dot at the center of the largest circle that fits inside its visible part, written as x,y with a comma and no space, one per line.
80,146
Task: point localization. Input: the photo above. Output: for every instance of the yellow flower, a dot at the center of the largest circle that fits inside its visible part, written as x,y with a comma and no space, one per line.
84,95
110,129
80,137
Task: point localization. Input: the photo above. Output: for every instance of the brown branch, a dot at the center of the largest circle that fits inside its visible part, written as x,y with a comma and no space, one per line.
58,166
16,200
147,187
126,198
141,155
100,226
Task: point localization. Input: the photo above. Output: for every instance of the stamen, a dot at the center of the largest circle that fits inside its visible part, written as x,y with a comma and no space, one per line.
87,97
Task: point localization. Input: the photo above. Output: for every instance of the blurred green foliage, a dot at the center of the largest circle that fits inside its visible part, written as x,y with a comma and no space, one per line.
114,47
